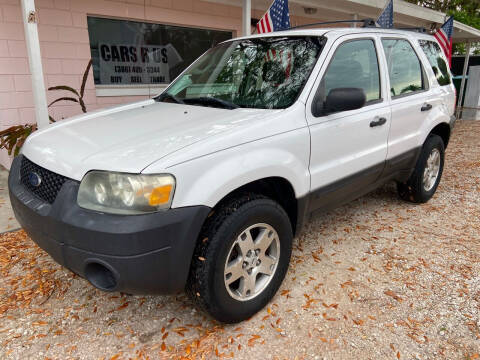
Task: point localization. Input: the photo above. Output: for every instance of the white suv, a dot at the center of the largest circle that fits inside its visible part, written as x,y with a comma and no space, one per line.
203,187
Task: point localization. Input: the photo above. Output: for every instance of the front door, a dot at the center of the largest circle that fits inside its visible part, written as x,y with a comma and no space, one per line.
349,148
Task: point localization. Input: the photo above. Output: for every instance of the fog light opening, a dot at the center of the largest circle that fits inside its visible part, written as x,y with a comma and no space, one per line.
100,276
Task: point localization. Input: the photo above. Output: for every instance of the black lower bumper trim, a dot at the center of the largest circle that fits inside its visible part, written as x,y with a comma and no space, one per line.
138,254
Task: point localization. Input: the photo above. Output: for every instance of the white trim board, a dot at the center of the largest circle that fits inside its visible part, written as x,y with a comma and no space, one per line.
125,90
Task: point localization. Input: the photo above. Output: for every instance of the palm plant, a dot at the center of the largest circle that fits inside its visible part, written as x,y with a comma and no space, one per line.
78,94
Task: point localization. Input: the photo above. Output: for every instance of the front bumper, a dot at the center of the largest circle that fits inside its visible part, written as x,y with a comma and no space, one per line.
137,254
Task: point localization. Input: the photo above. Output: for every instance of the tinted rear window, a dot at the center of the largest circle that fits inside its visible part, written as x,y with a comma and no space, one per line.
436,60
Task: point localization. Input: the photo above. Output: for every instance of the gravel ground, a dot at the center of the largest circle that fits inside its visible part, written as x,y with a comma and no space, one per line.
375,279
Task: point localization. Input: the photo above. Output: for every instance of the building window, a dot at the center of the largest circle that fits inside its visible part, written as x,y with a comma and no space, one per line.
131,53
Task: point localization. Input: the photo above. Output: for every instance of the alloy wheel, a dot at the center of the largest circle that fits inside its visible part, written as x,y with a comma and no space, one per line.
252,261
432,169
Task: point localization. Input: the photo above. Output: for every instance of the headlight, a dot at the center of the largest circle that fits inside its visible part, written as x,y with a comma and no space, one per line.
120,193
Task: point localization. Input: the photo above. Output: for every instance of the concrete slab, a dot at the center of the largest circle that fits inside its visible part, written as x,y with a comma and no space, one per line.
7,219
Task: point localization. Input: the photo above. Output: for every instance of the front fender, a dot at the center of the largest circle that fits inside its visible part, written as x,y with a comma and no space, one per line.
208,179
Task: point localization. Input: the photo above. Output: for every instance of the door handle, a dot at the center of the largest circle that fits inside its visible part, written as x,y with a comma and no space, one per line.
378,122
426,107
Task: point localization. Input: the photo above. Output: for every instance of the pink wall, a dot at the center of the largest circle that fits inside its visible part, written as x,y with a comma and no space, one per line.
62,26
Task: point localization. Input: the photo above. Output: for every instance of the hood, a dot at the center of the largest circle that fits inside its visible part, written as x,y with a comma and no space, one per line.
128,138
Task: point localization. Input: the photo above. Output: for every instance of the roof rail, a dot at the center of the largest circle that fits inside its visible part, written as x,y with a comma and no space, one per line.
366,23
416,29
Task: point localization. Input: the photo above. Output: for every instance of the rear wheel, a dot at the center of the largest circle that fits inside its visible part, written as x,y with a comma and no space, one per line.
241,258
424,180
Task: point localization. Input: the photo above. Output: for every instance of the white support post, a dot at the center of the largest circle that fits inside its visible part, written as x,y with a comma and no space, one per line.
464,74
246,17
35,61
355,17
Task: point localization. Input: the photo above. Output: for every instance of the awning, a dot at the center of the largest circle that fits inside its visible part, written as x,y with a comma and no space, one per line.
406,14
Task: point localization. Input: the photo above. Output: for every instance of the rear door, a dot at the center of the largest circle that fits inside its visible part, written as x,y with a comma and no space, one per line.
408,84
443,90
348,149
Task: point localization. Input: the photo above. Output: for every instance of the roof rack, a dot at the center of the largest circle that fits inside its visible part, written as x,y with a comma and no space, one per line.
367,23
416,29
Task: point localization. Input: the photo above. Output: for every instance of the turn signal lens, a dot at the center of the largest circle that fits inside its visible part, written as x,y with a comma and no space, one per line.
160,195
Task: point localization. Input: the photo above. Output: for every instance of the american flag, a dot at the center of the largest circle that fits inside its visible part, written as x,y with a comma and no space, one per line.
385,20
276,18
444,38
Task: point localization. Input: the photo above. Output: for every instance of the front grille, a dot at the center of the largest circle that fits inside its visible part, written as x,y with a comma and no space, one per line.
50,183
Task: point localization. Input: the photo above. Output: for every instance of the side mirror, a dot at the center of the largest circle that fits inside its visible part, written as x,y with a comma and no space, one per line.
341,99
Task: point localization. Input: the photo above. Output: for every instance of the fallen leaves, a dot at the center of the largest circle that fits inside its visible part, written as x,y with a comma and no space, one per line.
39,323
35,278
253,339
393,295
123,306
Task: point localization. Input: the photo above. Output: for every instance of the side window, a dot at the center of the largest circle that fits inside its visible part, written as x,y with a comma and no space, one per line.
354,65
439,66
404,67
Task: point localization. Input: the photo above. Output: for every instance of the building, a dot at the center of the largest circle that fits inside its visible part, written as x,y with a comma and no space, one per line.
138,46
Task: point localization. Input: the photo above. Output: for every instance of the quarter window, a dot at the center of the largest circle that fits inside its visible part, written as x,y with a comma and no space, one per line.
404,67
439,65
354,65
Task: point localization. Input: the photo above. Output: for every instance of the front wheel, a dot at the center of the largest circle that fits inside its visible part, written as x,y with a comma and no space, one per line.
241,258
424,180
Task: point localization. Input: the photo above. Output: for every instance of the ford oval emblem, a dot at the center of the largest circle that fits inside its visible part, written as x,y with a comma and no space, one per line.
34,179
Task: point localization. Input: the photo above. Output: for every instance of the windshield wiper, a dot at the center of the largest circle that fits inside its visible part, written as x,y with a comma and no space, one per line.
212,101
166,96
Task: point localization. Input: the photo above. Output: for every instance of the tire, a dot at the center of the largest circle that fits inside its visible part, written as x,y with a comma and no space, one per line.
220,241
417,190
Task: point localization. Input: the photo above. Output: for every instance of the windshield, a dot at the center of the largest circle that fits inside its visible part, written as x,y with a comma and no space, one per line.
262,73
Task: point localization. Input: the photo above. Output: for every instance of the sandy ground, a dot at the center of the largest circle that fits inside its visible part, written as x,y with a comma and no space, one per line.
375,279
7,219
